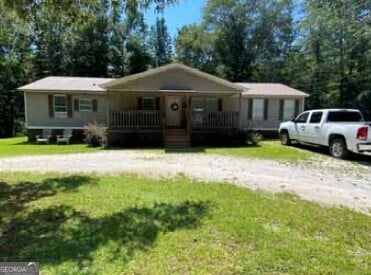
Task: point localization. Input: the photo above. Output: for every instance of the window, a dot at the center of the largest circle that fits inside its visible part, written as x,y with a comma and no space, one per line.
60,106
316,117
85,105
344,116
149,103
258,109
197,103
206,103
289,109
302,118
211,104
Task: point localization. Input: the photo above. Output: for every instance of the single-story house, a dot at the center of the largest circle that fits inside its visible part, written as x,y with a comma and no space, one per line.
173,104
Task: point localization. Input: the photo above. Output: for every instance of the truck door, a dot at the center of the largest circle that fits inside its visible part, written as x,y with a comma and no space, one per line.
314,128
300,125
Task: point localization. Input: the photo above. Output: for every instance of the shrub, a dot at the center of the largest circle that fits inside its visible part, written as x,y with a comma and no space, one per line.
254,137
95,134
251,137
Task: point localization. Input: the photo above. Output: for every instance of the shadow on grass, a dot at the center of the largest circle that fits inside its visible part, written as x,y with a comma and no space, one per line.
14,197
60,233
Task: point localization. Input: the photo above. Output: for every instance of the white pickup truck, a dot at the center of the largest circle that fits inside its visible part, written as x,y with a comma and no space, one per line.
342,130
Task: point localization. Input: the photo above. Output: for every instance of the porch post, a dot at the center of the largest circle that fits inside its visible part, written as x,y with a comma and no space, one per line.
163,110
108,110
239,111
188,115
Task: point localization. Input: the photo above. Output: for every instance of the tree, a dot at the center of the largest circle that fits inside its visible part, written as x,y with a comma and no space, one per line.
39,38
15,69
241,40
336,42
160,43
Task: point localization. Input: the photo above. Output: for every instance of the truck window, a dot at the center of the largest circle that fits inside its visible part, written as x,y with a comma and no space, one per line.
344,116
302,118
316,117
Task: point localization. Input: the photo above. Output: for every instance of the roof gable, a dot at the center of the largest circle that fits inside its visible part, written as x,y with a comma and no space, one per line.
172,77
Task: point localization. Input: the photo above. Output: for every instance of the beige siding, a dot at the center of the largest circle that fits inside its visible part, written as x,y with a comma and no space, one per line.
231,104
37,111
272,121
174,80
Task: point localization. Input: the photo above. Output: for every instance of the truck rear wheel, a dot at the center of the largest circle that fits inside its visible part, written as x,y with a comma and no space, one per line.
338,148
285,138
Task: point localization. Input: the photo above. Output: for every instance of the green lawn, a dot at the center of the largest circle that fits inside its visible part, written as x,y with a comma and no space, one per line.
80,224
266,150
19,146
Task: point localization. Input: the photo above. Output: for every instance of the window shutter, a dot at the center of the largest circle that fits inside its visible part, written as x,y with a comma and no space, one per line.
157,104
266,105
249,111
51,105
139,103
95,105
297,107
69,106
282,103
220,105
77,105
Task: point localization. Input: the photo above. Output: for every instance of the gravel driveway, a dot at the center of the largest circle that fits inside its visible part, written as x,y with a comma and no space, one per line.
324,180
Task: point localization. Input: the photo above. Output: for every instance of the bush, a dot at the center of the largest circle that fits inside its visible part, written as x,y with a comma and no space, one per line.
251,137
95,134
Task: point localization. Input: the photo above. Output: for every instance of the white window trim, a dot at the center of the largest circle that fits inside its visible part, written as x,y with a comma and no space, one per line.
60,114
91,105
254,115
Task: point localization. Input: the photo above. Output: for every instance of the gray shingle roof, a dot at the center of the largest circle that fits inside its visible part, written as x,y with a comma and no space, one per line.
61,83
270,89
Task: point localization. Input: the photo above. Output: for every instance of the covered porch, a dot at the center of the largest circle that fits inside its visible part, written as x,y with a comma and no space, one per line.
171,110
173,101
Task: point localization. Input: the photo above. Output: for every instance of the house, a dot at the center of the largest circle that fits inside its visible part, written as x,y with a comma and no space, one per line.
173,104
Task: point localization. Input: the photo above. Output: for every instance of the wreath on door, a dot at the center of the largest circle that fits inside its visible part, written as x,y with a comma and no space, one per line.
174,106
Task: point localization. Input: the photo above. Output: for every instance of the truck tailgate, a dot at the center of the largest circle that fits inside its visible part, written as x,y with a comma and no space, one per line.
365,145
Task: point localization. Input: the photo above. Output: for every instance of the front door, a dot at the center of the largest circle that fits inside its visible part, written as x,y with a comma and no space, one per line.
173,111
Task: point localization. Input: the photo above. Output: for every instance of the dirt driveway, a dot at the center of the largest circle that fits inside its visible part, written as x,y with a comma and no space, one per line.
323,179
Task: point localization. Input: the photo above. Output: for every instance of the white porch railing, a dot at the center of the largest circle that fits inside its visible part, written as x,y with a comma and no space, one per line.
213,119
135,118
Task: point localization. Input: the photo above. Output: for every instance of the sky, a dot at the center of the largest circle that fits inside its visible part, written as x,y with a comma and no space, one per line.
184,13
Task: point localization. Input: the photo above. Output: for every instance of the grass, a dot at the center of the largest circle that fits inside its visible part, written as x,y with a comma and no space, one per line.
18,146
271,149
80,224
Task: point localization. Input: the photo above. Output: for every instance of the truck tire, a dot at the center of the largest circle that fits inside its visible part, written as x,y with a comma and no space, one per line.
285,138
338,148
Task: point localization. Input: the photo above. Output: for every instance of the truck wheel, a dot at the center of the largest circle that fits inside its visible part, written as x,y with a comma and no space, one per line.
338,148
285,139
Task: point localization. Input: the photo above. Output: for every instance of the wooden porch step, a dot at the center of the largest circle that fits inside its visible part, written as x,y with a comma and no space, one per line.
176,138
